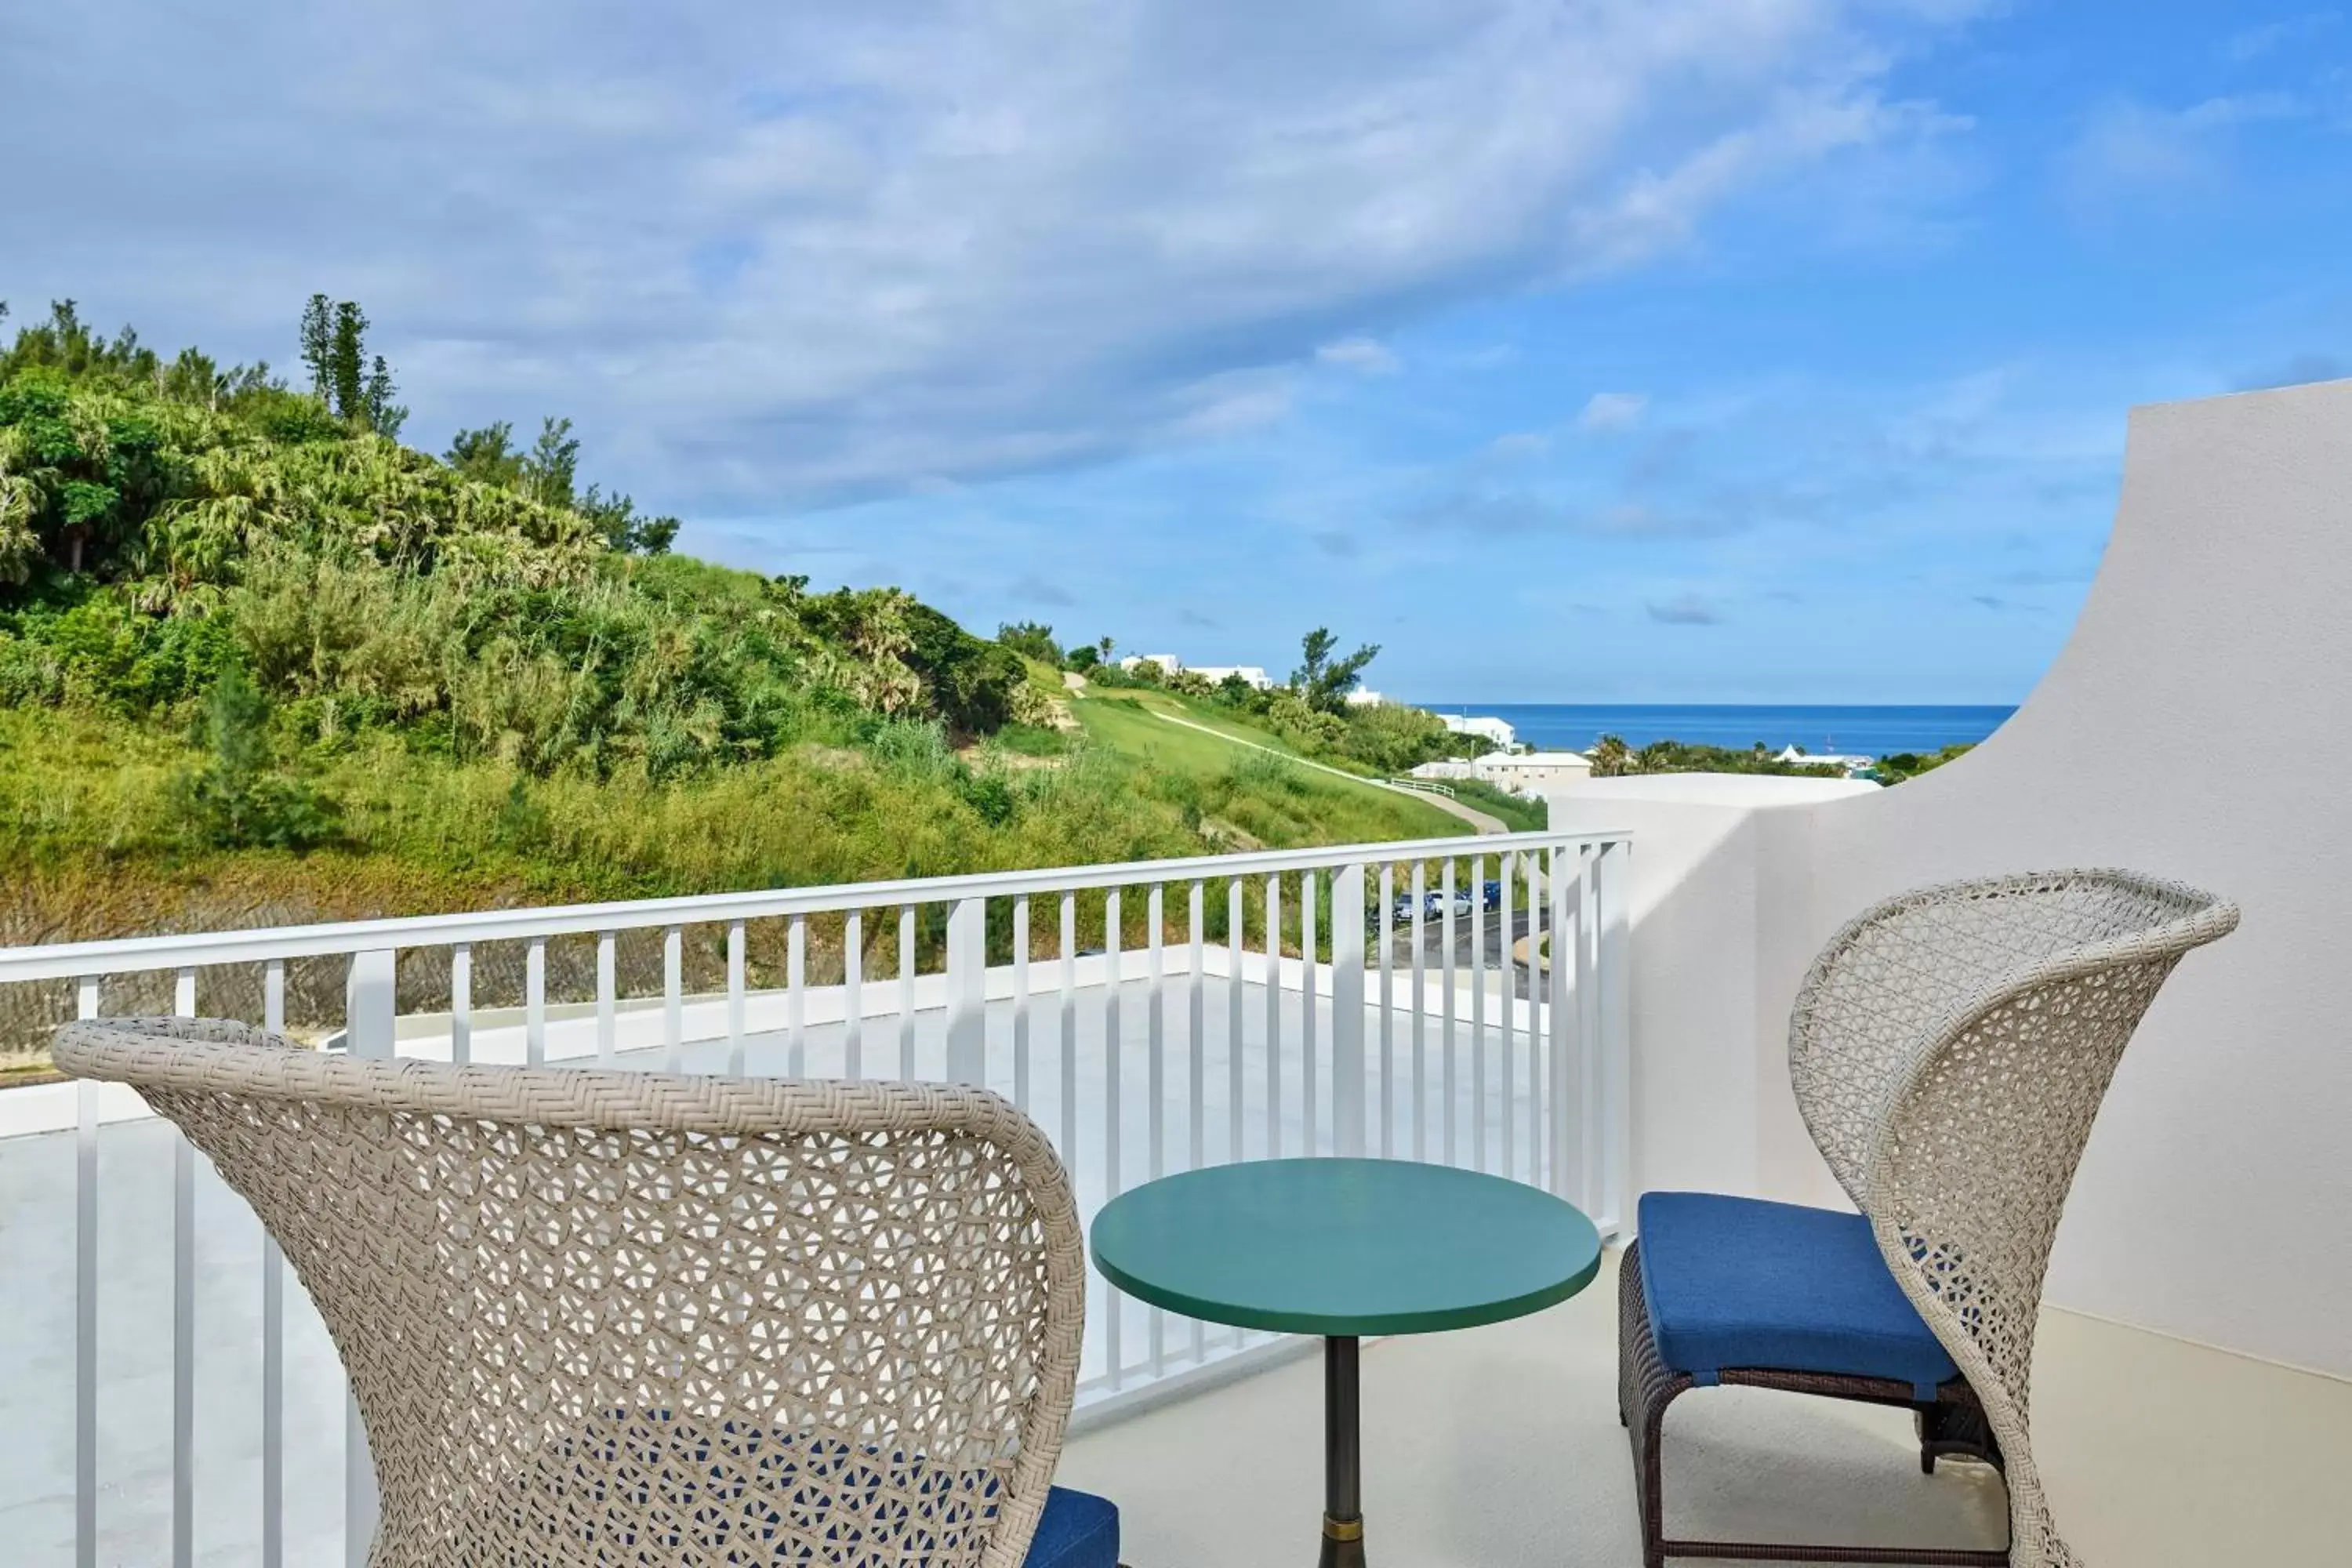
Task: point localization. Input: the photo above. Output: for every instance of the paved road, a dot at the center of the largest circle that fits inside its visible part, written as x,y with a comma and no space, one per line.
1471,815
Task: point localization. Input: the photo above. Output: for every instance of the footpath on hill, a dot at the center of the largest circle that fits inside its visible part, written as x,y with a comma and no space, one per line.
1471,815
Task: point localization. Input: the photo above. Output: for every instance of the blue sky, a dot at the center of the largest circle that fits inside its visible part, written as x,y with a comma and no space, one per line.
1696,350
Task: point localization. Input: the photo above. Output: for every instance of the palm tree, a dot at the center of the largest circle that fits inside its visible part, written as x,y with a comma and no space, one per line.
1611,757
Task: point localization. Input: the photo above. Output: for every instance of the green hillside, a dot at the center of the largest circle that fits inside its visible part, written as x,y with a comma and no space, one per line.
260,661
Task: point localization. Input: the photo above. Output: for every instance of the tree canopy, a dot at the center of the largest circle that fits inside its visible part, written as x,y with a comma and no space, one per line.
163,524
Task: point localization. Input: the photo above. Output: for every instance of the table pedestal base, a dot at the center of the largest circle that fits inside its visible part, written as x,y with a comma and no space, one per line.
1343,1492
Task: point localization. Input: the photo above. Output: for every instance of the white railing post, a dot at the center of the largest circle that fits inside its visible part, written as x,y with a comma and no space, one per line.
1347,1010
1615,1201
968,991
370,1010
1566,1072
86,1298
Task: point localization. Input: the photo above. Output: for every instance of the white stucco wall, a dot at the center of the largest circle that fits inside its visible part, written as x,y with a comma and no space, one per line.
2198,725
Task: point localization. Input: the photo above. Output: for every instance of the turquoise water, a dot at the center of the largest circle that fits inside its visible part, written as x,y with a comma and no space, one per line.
1873,731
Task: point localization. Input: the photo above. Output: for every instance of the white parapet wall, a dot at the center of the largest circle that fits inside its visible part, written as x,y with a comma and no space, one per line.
2199,726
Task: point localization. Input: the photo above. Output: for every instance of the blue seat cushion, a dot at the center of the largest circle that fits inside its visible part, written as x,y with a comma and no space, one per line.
1079,1530
1741,1282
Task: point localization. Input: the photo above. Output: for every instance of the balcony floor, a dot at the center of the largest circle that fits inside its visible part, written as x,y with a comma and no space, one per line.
1500,1447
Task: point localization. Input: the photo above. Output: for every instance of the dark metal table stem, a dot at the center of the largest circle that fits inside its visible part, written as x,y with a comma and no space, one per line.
1343,1454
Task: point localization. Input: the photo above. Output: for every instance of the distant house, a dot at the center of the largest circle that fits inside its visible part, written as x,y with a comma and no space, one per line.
1498,731
1365,697
1850,762
1167,662
1252,675
1520,772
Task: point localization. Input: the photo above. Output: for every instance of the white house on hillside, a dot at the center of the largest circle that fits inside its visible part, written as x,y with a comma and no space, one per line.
1521,773
1498,731
1533,773
1852,762
1167,662
1254,675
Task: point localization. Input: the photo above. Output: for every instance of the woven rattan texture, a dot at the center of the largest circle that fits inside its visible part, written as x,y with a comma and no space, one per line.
1949,1051
623,1319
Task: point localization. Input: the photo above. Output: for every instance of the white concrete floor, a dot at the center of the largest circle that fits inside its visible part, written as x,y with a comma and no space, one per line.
1500,1447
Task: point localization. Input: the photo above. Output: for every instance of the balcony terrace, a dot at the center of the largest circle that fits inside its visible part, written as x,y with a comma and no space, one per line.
175,1399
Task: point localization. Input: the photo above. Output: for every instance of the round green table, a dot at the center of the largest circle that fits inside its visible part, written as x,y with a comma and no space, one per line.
1344,1248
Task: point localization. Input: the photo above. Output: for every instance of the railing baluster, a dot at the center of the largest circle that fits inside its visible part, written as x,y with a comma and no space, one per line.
966,982
371,1029
853,993
1274,1017
1156,1046
673,999
1307,1086
1533,866
1420,1013
461,1000
1566,1079
1196,1064
273,1283
184,1320
1588,1035
1236,1031
1347,1011
1113,1110
1236,1056
1069,1020
735,998
1446,1073
1613,888
608,998
796,997
1388,1009
907,992
86,1297
1021,1002
534,1002
1478,1012
1508,985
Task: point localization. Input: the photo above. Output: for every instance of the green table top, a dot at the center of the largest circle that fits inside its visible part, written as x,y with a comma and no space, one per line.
1345,1246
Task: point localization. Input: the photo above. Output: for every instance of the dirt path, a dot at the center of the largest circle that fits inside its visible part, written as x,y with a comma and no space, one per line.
1471,815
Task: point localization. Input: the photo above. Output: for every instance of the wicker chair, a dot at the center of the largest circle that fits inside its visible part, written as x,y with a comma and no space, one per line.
615,1317
1948,1050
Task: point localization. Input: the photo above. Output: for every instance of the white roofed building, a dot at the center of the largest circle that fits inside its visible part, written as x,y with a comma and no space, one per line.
1252,675
1532,772
1498,731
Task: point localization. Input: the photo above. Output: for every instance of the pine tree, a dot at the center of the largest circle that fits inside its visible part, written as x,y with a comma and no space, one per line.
318,343
554,461
384,415
347,363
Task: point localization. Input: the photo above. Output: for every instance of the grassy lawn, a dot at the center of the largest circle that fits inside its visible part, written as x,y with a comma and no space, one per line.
1273,802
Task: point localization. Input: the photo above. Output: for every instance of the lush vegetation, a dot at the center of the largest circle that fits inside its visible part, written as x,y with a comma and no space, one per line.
1612,758
260,660
1896,766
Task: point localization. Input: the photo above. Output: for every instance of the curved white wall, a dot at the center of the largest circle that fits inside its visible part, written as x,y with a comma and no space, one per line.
2198,725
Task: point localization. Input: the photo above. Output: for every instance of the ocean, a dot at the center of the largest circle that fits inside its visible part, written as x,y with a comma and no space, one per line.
1871,731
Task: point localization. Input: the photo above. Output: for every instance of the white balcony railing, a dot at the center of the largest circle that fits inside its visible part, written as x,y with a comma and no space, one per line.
1464,1001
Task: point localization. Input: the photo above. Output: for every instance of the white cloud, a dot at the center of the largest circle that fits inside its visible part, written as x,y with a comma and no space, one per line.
2127,151
1520,444
771,255
1365,356
1613,410
2258,42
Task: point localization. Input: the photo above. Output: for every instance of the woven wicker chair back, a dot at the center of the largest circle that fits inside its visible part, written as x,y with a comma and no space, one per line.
612,1318
1949,1050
